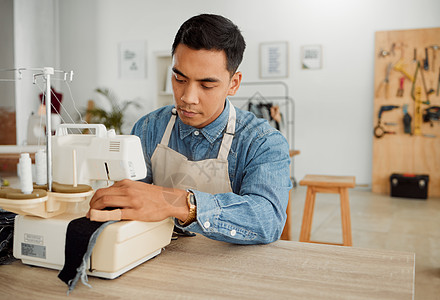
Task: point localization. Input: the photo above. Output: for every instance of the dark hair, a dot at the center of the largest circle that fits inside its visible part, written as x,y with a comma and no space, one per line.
212,32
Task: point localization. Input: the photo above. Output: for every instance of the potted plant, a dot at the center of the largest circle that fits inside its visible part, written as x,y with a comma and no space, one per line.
112,119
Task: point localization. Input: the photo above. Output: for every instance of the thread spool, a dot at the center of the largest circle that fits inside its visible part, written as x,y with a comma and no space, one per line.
25,166
41,168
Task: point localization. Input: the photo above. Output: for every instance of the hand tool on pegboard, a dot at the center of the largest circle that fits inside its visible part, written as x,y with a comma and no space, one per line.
431,114
385,53
425,61
379,130
400,90
427,91
400,67
415,56
434,50
418,111
427,102
406,119
385,83
416,95
438,83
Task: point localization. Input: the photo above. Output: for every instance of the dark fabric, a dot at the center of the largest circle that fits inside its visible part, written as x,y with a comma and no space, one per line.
177,232
78,235
262,111
56,99
6,237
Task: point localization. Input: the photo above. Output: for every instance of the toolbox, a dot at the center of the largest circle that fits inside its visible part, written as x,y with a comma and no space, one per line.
409,185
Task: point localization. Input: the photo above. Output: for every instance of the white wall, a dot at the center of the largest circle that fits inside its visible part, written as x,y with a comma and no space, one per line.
334,105
35,46
7,97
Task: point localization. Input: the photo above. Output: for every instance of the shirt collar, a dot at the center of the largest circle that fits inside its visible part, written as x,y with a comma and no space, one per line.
211,131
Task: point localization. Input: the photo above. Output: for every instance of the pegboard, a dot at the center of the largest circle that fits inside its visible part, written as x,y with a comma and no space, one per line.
396,53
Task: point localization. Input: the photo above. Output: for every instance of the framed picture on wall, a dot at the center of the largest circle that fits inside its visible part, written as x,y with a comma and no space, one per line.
132,60
274,60
311,57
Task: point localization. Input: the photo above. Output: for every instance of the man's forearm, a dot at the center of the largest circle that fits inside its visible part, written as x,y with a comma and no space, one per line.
239,219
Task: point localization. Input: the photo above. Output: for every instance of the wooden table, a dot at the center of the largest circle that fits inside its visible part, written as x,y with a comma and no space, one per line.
199,268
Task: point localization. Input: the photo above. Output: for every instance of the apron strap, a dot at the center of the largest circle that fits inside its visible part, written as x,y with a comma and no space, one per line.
225,147
167,134
229,134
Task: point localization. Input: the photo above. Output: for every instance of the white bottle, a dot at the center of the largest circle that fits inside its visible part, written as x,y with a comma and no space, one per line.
25,166
41,167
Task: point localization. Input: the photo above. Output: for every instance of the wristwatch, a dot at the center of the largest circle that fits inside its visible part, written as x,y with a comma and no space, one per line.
191,202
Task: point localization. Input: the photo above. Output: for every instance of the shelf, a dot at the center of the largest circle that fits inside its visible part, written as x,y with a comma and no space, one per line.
163,63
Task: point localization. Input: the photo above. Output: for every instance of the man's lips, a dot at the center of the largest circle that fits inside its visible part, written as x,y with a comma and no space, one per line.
187,113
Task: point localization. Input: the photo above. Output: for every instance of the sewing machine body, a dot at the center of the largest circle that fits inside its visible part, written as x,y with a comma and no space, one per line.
40,227
120,247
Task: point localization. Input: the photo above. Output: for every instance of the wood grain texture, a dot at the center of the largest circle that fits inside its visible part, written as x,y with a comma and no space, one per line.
328,181
400,152
199,268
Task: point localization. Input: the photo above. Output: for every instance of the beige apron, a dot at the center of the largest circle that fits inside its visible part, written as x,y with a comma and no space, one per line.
174,170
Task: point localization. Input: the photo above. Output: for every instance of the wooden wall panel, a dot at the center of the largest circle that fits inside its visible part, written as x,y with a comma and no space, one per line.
7,137
400,152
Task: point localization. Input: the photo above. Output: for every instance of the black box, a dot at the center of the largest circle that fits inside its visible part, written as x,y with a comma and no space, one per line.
409,186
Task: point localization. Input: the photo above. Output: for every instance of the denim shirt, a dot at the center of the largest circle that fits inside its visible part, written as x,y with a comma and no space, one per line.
259,172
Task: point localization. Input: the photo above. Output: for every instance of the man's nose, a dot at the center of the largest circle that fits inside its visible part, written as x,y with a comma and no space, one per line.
190,94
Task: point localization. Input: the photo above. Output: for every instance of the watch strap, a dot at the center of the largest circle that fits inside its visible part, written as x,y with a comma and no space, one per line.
190,200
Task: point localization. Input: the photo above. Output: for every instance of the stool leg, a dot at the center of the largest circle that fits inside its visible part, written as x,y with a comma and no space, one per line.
309,205
345,216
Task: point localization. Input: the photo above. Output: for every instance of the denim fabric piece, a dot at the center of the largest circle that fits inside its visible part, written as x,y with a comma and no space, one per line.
81,237
258,167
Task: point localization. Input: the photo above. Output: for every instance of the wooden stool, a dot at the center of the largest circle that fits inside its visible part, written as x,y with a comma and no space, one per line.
327,184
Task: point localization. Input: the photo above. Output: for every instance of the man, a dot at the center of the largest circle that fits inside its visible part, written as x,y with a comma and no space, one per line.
217,170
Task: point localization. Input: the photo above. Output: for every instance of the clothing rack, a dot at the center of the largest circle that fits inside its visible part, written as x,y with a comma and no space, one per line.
277,93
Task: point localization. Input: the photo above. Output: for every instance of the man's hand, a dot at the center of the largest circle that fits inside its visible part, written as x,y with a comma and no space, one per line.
141,201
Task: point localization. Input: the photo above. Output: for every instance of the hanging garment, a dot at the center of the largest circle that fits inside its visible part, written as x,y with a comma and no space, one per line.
56,99
264,111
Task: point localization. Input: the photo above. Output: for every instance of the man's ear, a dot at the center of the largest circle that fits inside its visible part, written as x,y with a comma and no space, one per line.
235,83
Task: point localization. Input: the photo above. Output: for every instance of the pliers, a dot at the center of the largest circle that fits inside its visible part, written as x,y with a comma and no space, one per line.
385,82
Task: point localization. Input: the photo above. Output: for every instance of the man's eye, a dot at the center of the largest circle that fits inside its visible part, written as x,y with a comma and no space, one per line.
178,80
207,87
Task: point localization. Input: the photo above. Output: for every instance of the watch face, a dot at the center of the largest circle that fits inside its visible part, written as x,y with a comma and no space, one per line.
192,199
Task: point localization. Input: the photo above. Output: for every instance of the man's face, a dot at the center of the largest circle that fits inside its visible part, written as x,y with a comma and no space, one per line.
201,84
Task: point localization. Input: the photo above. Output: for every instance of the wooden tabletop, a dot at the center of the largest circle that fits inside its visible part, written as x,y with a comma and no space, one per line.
199,268
329,181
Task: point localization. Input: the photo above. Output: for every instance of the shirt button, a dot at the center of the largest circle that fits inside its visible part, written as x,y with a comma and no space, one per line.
233,232
196,132
207,224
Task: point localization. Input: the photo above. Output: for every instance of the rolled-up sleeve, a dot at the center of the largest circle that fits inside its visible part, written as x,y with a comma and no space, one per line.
255,213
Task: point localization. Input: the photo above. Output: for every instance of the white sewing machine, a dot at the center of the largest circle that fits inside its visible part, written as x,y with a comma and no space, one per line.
92,159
